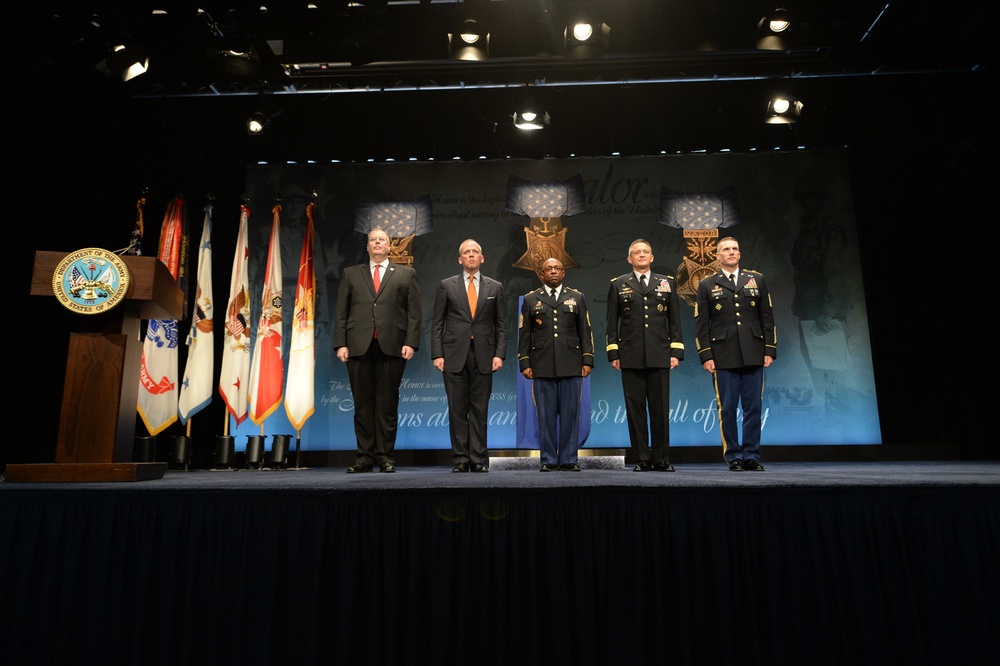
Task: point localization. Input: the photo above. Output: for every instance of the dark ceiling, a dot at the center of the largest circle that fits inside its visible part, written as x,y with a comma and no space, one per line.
372,79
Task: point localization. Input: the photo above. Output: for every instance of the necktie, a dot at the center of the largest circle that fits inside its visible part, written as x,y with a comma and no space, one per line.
552,293
472,296
732,278
642,280
375,277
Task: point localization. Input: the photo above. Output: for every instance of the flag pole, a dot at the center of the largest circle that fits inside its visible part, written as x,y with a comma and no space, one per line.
298,438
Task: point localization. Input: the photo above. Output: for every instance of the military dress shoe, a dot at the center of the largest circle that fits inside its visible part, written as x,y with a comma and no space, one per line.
548,468
736,466
753,466
572,467
663,467
358,468
480,468
460,467
643,466
388,468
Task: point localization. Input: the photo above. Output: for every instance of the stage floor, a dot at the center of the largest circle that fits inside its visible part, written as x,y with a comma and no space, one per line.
605,472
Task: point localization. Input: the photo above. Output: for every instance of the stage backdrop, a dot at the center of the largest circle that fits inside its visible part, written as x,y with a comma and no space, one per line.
792,213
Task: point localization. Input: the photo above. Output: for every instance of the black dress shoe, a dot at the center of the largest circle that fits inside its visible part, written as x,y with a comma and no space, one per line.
480,468
388,468
753,466
643,466
460,467
736,466
358,468
548,468
663,467
572,467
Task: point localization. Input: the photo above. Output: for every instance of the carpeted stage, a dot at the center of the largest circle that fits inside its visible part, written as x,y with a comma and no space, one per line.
806,563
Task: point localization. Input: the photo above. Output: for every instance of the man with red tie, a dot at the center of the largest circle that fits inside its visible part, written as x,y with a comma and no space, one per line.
468,344
377,331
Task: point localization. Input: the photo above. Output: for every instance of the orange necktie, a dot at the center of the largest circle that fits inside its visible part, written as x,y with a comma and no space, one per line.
377,283
472,296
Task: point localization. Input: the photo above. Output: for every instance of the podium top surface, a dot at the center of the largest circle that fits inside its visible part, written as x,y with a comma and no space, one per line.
152,289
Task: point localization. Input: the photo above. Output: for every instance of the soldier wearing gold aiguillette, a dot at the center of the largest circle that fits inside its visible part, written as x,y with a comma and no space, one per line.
645,342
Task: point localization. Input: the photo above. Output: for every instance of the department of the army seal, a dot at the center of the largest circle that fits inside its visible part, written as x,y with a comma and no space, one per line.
90,281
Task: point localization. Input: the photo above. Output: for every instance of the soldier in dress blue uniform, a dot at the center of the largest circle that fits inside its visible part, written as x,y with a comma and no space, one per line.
736,341
645,342
555,349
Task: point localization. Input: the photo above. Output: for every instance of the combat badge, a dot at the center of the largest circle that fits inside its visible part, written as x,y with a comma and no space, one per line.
90,281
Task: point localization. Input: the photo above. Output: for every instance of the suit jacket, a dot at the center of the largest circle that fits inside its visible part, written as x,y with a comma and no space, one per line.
394,312
554,337
452,324
734,325
644,323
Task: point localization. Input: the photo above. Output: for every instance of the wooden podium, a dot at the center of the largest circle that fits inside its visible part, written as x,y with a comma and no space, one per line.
101,392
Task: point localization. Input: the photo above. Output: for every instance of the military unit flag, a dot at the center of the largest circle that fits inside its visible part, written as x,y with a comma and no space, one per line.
196,387
266,370
300,388
234,378
157,404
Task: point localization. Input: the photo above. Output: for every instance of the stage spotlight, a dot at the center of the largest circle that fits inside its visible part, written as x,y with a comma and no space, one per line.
530,116
470,41
234,60
256,124
783,110
124,60
583,38
778,31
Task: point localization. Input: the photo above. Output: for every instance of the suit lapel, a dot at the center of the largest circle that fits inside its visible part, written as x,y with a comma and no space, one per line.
633,282
480,295
723,280
383,280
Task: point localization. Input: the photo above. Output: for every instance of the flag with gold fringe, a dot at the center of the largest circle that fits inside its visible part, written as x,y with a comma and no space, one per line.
300,387
157,404
266,370
234,378
196,385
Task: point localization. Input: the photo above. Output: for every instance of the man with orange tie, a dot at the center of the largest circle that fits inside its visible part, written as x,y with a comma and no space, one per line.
376,332
468,344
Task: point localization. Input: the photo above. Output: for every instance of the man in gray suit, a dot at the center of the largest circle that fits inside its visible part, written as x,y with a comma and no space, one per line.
376,332
468,344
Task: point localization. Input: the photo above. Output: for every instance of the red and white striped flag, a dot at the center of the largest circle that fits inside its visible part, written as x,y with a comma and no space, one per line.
157,403
300,390
196,386
266,371
235,374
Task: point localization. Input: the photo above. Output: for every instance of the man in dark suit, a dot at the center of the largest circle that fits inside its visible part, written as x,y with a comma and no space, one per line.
736,341
468,344
645,343
555,349
377,331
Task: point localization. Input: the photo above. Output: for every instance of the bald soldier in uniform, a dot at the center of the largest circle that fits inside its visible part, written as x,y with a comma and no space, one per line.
645,342
555,349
